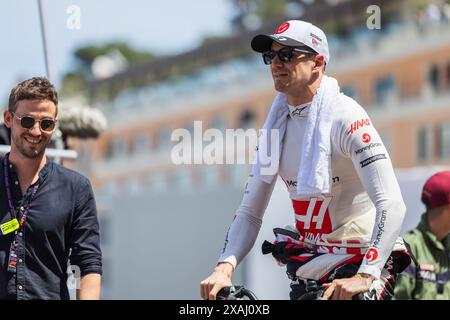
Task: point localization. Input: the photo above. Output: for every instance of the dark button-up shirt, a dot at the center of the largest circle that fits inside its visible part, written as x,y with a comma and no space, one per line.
61,228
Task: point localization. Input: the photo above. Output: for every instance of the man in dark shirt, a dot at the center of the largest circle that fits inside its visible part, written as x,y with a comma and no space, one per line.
48,215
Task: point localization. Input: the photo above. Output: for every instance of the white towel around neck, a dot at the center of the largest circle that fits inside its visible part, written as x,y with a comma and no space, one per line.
314,175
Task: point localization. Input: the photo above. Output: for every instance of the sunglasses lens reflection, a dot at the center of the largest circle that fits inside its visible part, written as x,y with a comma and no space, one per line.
27,122
285,55
47,124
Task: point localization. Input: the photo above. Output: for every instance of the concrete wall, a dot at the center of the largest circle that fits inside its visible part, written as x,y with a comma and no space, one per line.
162,246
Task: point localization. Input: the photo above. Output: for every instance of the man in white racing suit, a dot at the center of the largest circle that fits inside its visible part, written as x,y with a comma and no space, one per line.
356,214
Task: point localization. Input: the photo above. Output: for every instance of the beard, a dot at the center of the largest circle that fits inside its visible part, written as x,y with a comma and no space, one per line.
29,150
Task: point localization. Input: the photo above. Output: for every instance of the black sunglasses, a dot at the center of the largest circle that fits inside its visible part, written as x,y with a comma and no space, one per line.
28,122
285,54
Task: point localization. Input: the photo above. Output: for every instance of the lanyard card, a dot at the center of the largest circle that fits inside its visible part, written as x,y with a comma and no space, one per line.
9,226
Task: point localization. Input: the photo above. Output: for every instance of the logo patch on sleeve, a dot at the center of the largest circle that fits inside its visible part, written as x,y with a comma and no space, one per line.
356,125
366,138
372,255
372,159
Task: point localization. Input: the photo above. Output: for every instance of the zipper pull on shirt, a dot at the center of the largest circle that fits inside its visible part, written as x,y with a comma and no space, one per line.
300,110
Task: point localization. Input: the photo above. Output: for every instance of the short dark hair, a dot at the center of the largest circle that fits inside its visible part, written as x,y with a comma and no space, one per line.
36,88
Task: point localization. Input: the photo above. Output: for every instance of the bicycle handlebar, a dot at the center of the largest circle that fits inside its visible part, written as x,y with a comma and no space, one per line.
240,292
235,293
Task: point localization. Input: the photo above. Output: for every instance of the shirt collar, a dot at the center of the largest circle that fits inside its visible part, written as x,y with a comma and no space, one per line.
46,169
42,174
301,110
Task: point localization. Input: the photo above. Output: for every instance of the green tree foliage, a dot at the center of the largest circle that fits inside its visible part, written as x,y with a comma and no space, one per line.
262,9
268,9
76,80
86,55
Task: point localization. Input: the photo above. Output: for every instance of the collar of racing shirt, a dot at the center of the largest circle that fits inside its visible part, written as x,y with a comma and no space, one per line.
300,110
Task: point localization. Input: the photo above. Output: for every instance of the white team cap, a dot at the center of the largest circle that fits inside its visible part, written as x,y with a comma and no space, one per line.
294,33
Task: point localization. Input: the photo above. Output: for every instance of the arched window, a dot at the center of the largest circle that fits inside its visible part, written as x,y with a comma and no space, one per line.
163,138
433,77
218,122
141,143
385,88
350,91
424,143
247,119
445,141
119,148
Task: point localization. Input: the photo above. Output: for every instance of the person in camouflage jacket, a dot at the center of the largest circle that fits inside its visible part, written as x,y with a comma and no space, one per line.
428,277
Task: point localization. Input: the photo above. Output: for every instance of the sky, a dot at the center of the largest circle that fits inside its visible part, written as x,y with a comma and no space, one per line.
162,27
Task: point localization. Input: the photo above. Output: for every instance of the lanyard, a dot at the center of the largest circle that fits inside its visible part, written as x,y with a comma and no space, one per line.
8,192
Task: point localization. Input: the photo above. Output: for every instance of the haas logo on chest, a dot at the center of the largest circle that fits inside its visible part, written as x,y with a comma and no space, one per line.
313,217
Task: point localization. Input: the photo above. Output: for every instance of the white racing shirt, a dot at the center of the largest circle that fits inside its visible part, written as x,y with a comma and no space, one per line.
365,208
